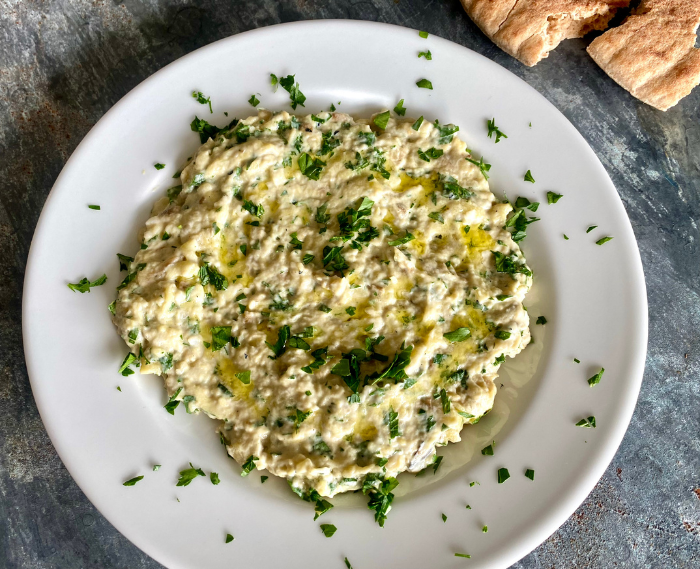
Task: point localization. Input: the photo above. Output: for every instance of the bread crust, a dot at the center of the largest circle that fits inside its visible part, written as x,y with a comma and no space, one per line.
652,53
529,29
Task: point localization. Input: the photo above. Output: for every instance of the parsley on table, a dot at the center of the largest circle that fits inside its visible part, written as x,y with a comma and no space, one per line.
425,54
458,335
229,538
577,360
603,240
591,228
95,207
523,202
214,477
416,125
424,84
206,130
595,380
399,109
347,563
423,34
529,178
279,347
400,241
254,100
530,473
124,261
128,360
485,529
444,518
566,237
84,285
483,166
309,166
382,119
249,465
156,467
159,166
465,555
173,402
202,100
493,129
263,478
587,423
321,506
503,475
274,82
381,496
518,221
132,481
296,97
188,475
488,450
553,197
541,320
328,529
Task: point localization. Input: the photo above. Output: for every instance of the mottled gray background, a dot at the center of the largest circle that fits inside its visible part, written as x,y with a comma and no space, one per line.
64,63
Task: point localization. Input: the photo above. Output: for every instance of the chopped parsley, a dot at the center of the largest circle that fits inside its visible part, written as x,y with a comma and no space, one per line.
444,518
445,400
446,132
530,473
380,494
202,100
347,563
541,320
309,166
577,360
391,418
128,360
416,125
159,166
502,334
229,538
294,243
399,109
483,166
529,178
296,97
263,478
465,555
220,336
587,423
206,130
243,376
436,216
84,285
503,475
279,347
254,100
156,467
319,356
518,222
522,202
95,207
211,275
255,210
328,529
595,380
249,465
493,129
508,264
488,450
321,506
308,257
458,335
188,475
214,477
485,529
382,119
603,240
298,343
351,310
173,402
132,481
333,260
430,153
124,261
402,240
591,228
425,84
425,54
423,34
274,82
553,197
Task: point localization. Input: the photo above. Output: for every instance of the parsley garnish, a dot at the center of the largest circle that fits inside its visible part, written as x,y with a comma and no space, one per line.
382,119
250,207
220,336
321,506
522,202
132,481
423,34
436,216
173,402
445,400
188,475
465,555
328,529
485,529
430,153
347,563
274,82
503,475
425,54
205,130
399,109
333,260
507,264
502,334
310,167
553,197
128,360
458,335
159,166
307,258
124,262
249,465
603,240
530,473
202,100
595,380
391,418
587,423
243,376
351,310
279,347
329,143
541,320
493,129
416,125
229,538
254,100
296,97
577,360
214,477
529,178
452,190
319,356
211,275
298,343
84,285
349,369
405,239
380,494
294,243
483,166
488,451
425,84
96,207
444,518
446,132
591,228
263,478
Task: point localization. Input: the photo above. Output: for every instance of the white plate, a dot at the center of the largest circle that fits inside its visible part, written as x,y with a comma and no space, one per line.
592,296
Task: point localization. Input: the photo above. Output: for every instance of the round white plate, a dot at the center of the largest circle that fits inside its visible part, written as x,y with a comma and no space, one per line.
593,297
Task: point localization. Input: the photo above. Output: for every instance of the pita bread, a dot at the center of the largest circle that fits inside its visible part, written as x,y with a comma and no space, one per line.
652,53
529,29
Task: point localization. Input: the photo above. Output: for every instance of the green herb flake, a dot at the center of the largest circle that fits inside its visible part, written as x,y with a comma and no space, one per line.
243,377
254,100
529,178
84,285
425,54
577,360
485,529
132,481
249,465
214,477
541,320
553,197
309,166
503,475
328,529
382,119
445,400
565,236
263,478
425,84
591,228
416,125
483,166
595,380
494,130
229,538
587,423
347,563
159,166
95,207
296,97
391,418
603,240
530,473
488,451
402,240
202,100
188,475
458,335
424,35
465,555
437,216
399,109
444,518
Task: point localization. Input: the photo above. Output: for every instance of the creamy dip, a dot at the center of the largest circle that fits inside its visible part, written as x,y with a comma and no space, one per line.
339,298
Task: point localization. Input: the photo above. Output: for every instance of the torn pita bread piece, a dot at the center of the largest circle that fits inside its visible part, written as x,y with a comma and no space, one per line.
652,53
529,29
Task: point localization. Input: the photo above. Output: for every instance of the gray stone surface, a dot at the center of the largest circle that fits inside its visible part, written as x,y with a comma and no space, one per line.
63,63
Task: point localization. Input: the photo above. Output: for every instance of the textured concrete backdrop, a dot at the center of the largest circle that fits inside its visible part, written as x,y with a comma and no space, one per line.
63,63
